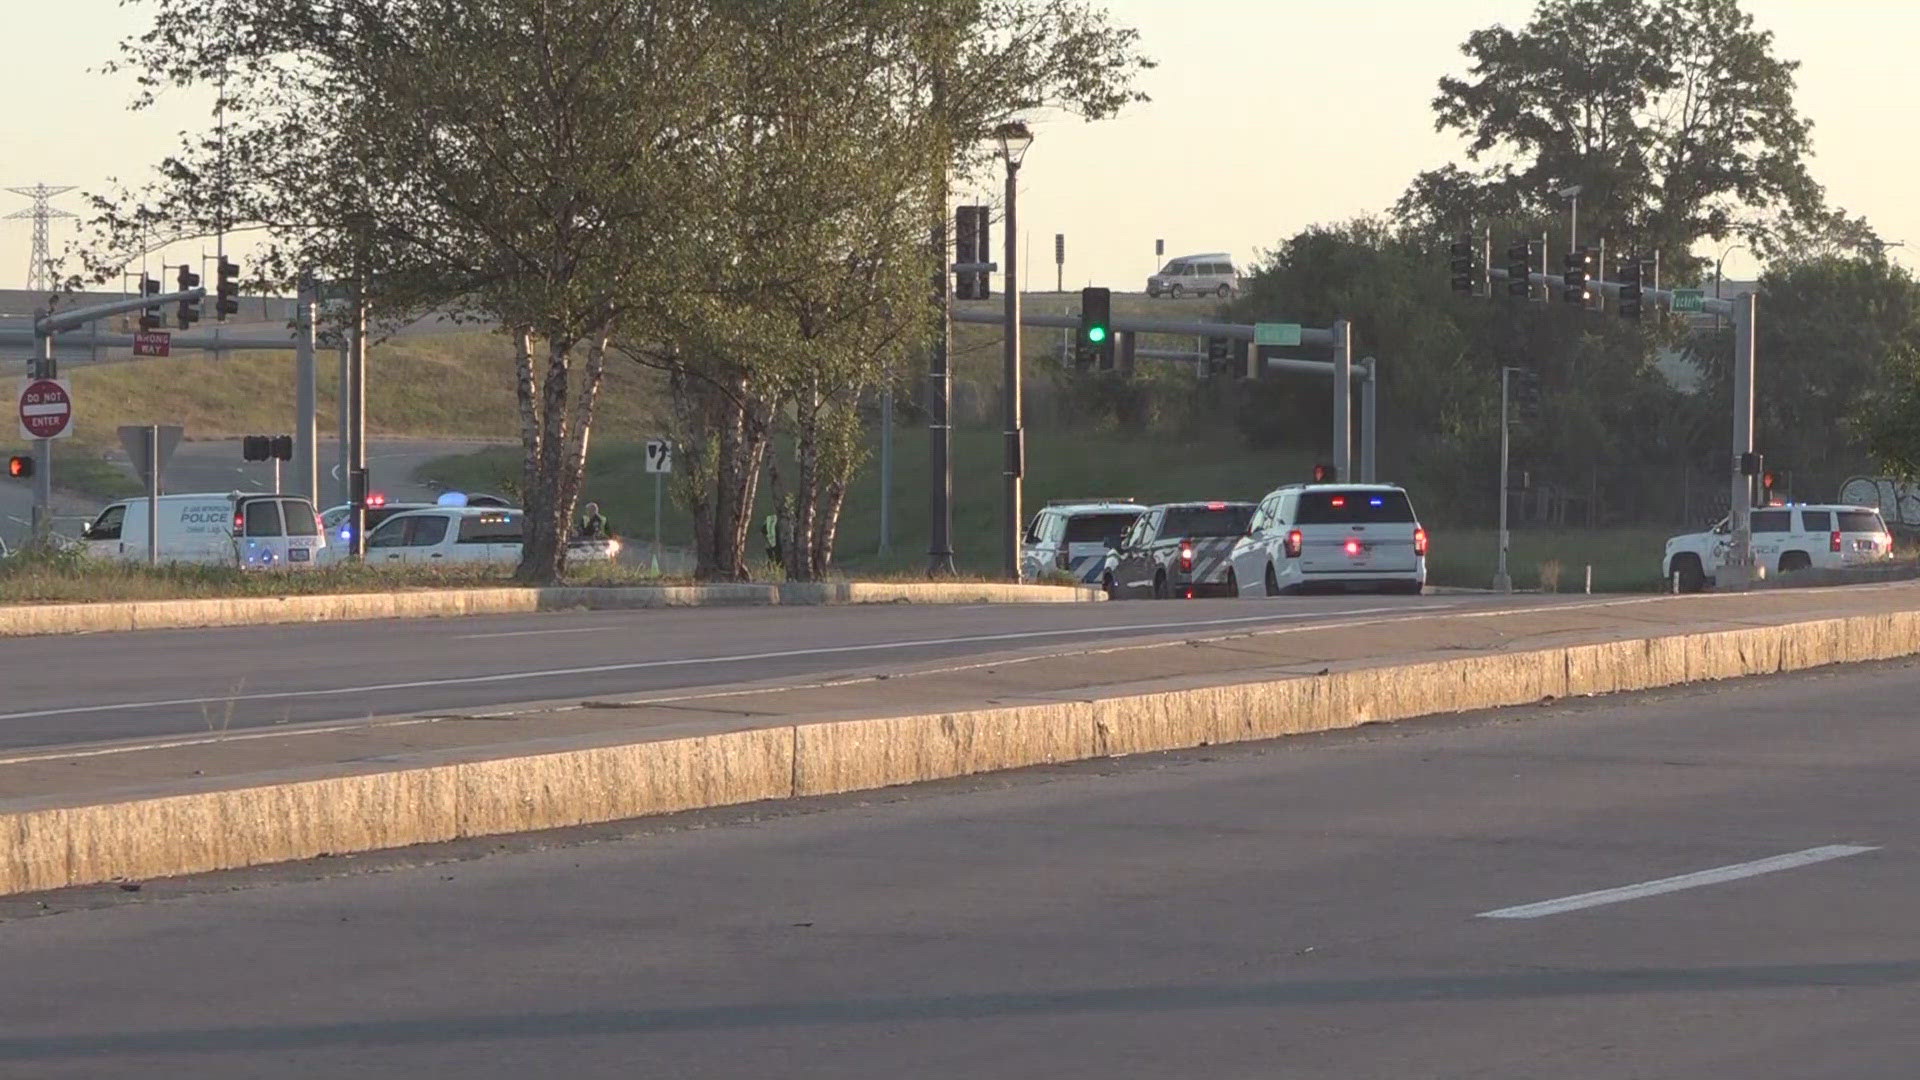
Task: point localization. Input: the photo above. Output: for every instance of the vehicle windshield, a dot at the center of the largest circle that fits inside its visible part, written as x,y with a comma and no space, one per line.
1229,520
1171,268
1100,528
1354,507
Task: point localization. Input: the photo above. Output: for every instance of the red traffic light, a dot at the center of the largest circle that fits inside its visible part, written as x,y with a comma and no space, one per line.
1768,480
19,467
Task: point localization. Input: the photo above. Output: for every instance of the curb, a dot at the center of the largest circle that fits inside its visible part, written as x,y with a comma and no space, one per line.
53,847
26,620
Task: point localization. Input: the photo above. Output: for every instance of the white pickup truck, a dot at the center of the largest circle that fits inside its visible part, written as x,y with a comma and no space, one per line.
1785,539
465,535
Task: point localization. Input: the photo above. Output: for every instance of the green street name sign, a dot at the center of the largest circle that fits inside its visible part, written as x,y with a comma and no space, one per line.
1689,299
1276,333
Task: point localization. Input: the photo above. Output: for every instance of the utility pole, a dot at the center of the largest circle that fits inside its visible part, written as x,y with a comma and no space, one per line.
43,368
357,419
939,410
886,469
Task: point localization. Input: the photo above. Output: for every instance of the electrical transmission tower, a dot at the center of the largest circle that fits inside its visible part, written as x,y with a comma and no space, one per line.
40,276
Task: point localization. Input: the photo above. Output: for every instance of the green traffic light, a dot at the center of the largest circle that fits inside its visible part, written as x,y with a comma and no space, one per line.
1096,334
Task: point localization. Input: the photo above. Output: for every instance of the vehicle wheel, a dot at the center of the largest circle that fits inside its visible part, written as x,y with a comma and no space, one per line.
1160,586
1107,586
1233,583
1273,582
1175,291
1692,577
1153,294
1224,291
1794,560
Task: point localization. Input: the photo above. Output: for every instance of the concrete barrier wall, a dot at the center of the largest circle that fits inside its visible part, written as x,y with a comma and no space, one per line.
25,620
180,834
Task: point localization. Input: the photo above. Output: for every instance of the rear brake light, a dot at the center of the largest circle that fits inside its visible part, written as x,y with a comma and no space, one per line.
239,520
1186,554
1216,506
1833,542
1419,541
1353,546
1294,542
1339,500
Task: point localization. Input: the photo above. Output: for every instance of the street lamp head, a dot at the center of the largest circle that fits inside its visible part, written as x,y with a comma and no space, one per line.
1014,139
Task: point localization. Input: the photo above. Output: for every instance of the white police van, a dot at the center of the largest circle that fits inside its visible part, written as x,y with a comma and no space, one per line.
1074,536
249,530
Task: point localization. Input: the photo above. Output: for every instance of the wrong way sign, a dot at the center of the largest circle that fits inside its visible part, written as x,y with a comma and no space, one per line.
46,409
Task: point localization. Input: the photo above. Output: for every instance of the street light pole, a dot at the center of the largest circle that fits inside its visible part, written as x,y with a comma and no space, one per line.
1014,140
1572,192
1717,265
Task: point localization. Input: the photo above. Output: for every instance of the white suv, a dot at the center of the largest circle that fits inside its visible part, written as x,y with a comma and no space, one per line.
1344,536
1074,537
1785,539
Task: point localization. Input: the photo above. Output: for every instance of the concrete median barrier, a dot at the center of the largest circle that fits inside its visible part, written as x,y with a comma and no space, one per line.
27,620
271,819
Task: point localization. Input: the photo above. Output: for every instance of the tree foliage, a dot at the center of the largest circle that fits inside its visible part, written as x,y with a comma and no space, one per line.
1675,117
733,191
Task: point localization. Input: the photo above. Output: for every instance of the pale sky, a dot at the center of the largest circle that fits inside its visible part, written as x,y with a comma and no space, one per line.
1267,116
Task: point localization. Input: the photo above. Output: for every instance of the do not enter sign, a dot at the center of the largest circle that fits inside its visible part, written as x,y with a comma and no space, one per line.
46,409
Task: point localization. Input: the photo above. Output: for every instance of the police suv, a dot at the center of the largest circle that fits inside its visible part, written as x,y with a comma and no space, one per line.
1785,539
1179,549
1074,536
1342,536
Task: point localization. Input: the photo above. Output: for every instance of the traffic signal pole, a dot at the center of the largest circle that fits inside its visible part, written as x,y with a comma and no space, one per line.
1343,399
43,368
1737,573
1502,580
306,392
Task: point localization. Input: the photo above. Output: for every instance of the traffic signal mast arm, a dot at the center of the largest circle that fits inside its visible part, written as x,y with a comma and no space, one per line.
76,317
1709,304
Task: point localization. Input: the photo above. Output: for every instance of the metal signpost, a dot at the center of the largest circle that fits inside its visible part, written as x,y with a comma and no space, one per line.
660,464
149,447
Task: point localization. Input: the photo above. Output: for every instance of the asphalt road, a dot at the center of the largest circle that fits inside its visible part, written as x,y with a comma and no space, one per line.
114,686
1311,908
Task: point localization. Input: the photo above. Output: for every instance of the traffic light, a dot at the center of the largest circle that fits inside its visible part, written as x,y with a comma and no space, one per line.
1578,263
1525,387
150,317
189,312
1326,474
1096,327
281,449
1630,291
255,448
1520,268
1773,481
1219,349
1462,264
20,468
226,290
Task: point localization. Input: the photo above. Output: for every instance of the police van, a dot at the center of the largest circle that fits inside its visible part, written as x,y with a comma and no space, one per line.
251,531
1073,536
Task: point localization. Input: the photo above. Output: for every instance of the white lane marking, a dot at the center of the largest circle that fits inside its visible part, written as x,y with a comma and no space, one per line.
640,665
534,633
1683,881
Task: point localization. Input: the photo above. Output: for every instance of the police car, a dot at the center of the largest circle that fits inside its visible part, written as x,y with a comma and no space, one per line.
1785,539
1074,536
1179,549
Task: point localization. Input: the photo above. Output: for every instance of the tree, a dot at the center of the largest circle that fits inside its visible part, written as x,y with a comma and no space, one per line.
520,161
1674,116
851,119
